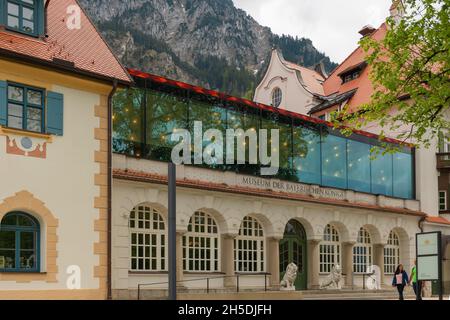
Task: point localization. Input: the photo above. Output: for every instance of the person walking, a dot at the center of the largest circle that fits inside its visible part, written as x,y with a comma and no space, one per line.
400,280
417,285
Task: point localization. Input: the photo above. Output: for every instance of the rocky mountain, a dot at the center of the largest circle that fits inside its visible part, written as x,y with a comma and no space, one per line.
206,42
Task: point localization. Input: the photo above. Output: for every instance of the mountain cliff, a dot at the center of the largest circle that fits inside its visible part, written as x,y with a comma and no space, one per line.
205,42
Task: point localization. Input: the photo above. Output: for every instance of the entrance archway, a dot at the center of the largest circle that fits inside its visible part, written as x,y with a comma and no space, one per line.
293,249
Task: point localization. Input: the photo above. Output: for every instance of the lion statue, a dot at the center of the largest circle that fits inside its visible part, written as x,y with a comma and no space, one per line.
289,277
334,279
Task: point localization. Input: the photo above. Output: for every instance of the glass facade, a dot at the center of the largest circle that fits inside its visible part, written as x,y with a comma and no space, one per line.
146,116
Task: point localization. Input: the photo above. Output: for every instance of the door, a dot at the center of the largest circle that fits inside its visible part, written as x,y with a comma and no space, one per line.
293,249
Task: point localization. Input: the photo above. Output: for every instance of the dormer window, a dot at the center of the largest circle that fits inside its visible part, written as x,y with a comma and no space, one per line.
25,16
352,72
277,97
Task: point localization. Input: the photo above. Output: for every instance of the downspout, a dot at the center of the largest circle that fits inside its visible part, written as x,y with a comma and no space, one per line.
421,221
110,128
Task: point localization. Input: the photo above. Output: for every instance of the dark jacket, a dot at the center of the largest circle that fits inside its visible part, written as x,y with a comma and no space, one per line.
404,277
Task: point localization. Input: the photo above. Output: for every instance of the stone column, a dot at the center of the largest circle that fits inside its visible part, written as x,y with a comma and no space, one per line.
228,260
347,262
180,269
313,264
273,261
379,259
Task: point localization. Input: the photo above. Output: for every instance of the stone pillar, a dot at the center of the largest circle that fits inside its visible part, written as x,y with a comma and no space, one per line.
180,269
313,264
273,261
228,260
347,262
379,259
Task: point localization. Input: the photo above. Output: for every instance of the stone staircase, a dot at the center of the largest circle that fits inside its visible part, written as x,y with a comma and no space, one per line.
358,294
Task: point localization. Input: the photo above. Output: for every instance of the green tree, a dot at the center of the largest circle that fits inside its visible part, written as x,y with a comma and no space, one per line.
410,73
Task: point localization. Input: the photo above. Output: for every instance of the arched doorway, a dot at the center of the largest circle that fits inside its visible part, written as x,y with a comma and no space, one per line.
293,249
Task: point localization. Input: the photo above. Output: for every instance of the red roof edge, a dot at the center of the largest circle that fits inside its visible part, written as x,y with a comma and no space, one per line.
437,220
226,97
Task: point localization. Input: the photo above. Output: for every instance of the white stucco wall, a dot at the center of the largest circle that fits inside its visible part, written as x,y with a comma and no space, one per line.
295,97
64,181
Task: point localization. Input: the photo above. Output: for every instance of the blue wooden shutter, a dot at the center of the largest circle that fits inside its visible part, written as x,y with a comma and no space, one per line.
55,113
3,102
2,13
41,15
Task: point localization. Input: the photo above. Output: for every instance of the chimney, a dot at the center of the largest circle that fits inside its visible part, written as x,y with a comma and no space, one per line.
367,30
397,11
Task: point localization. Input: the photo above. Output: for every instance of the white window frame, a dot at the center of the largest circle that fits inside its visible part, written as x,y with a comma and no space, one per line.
330,249
443,196
250,242
150,237
392,253
362,252
196,239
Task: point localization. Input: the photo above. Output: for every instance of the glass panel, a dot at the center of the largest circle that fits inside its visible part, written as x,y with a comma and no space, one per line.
15,93
28,13
358,166
34,97
27,240
127,121
7,259
15,110
13,9
382,174
24,221
403,175
28,1
27,259
165,113
10,220
15,122
307,155
7,240
28,26
334,165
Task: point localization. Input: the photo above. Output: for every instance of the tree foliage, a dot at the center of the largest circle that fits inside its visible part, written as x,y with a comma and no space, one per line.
410,74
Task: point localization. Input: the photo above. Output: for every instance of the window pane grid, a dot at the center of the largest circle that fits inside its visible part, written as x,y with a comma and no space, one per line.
249,247
329,250
25,108
201,244
147,245
22,15
392,253
362,252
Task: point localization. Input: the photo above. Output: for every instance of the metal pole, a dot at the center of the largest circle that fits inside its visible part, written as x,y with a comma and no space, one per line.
172,186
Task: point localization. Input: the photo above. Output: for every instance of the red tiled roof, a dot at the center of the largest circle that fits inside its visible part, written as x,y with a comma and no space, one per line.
139,176
81,50
363,85
437,220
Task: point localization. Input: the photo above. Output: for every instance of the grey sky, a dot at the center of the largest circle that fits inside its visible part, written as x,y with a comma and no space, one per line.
332,25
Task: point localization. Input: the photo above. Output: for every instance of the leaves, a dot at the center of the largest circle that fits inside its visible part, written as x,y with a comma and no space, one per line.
410,71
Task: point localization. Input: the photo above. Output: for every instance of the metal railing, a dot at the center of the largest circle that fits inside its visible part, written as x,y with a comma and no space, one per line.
208,280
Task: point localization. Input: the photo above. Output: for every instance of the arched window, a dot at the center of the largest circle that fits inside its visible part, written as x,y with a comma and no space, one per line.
330,249
19,243
362,252
277,97
249,247
201,244
148,240
392,253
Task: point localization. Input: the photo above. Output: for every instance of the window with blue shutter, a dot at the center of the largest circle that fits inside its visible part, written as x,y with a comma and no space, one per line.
55,113
25,107
25,16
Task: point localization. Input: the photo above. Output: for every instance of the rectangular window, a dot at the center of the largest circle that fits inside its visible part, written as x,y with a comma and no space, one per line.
358,163
382,174
22,15
334,162
25,108
442,200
